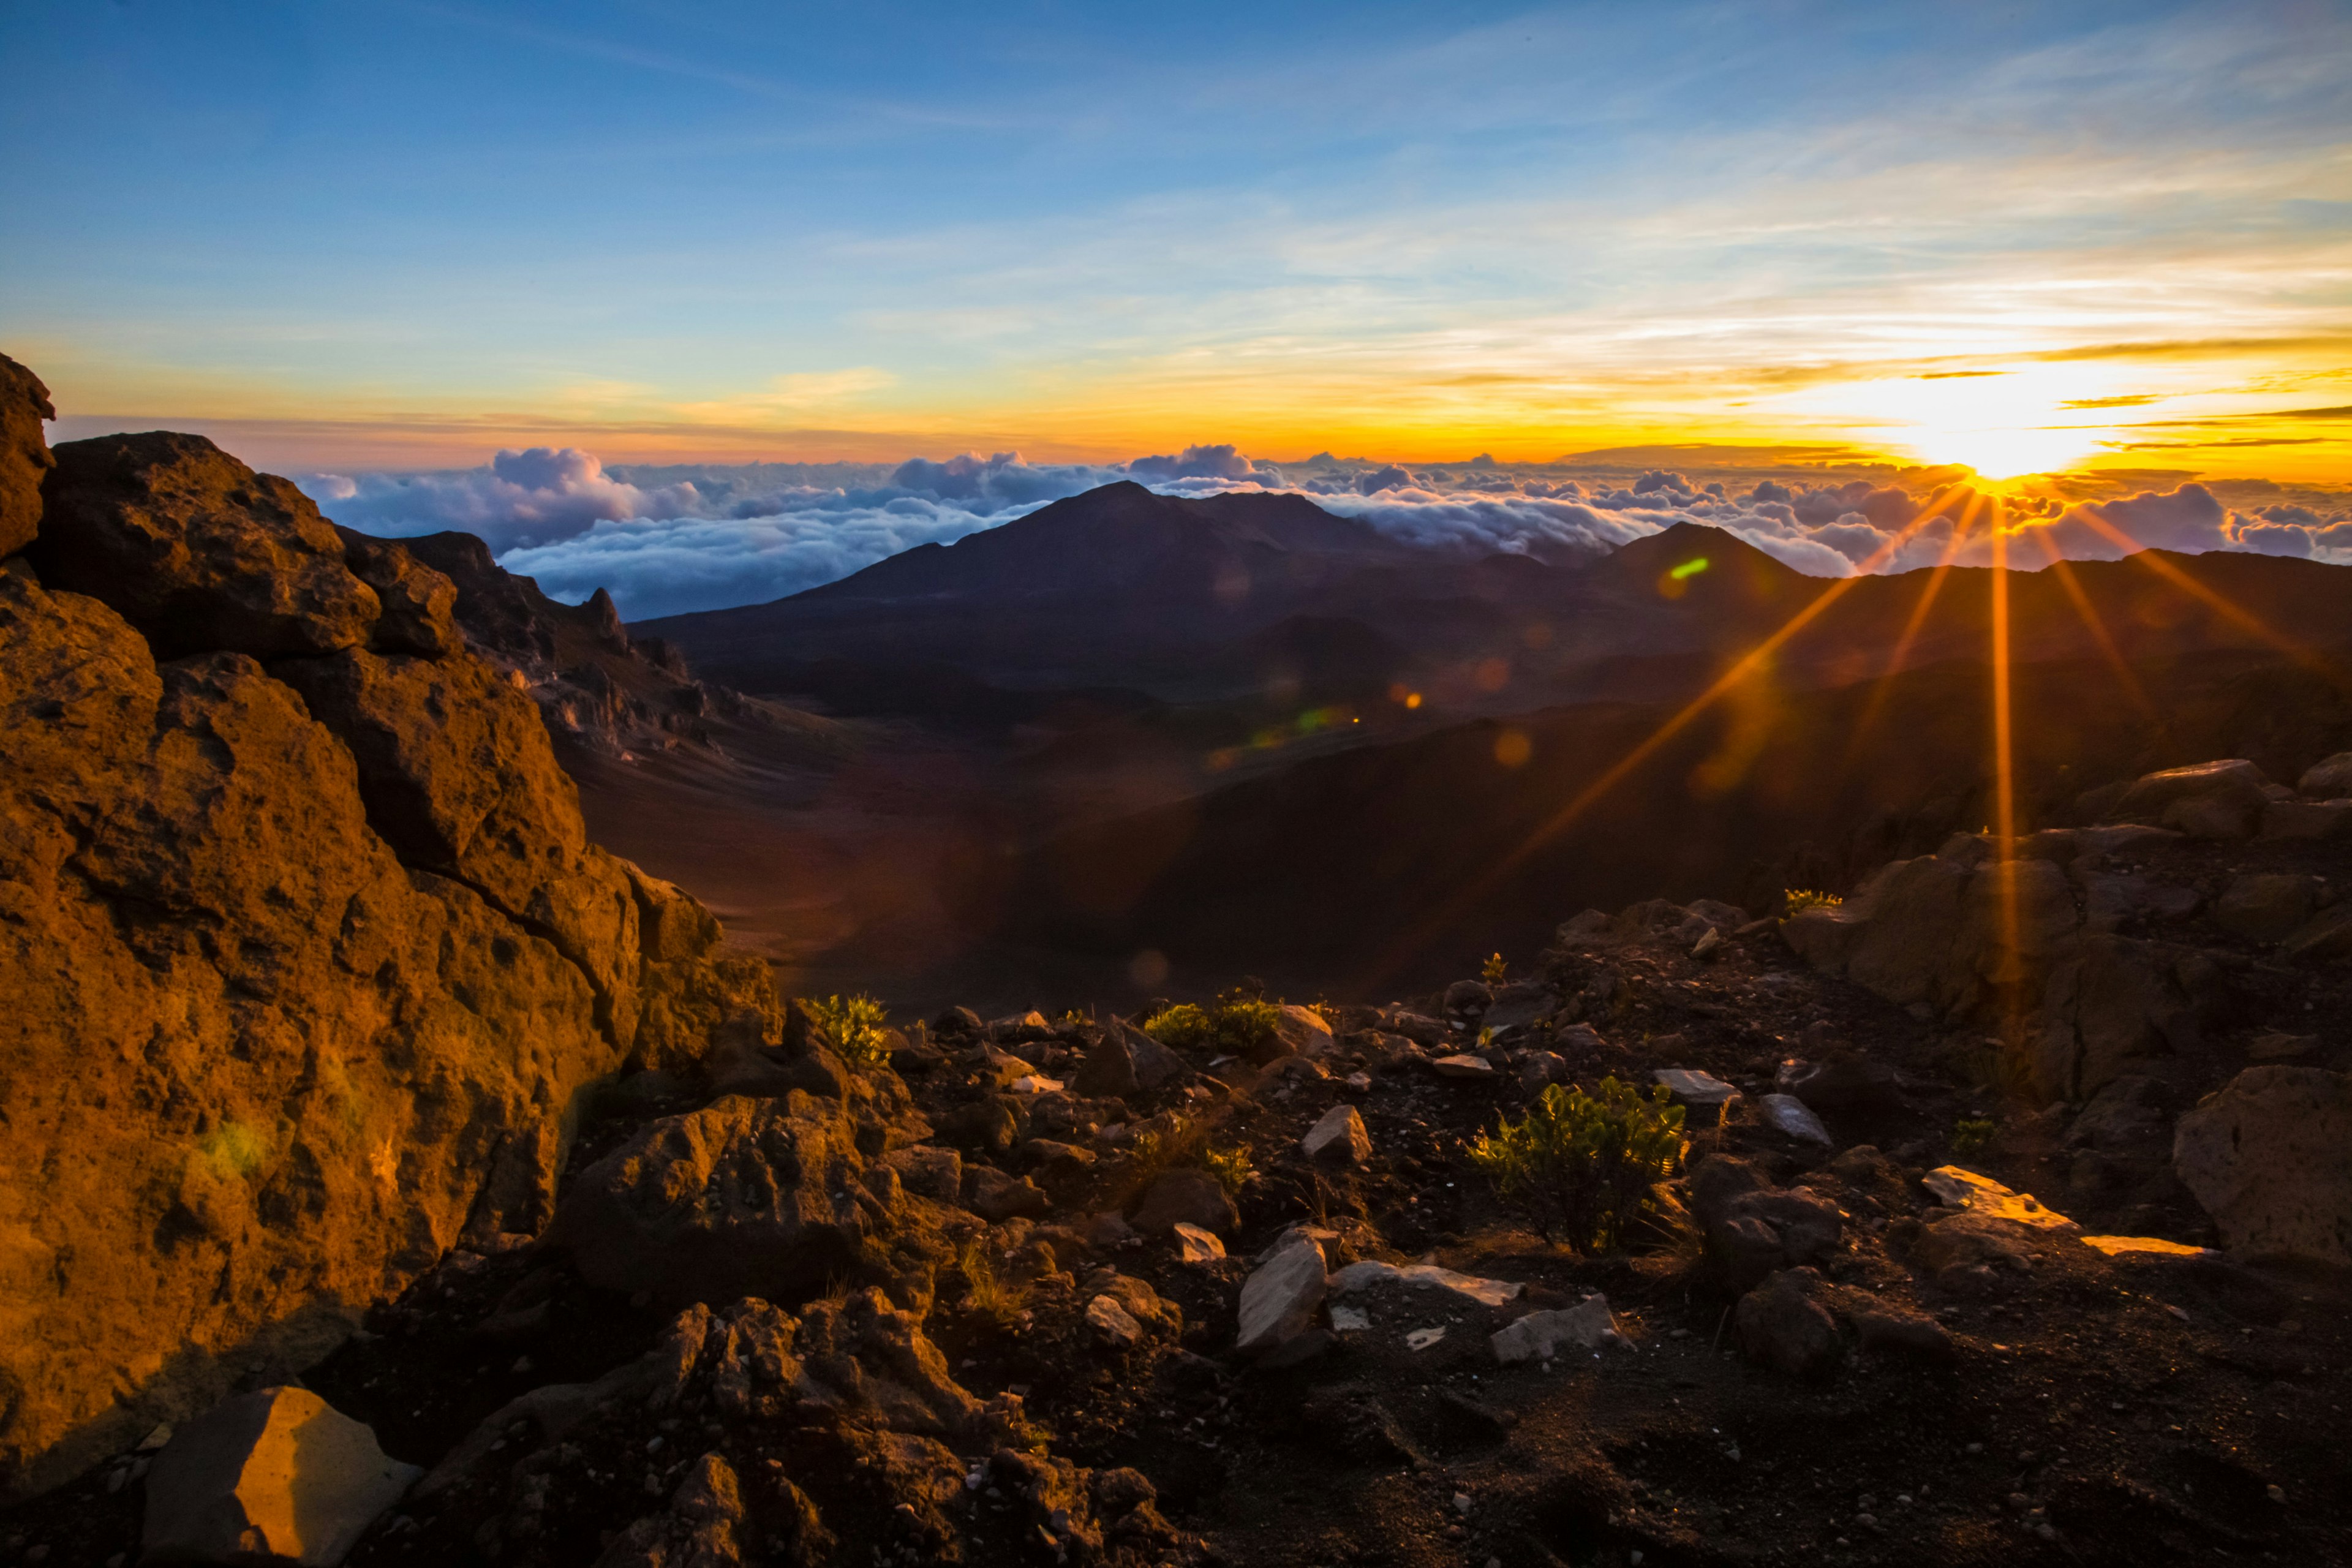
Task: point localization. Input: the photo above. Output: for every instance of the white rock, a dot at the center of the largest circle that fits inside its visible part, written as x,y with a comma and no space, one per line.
1539,1336
1339,1137
1194,1244
1485,1292
1113,1324
1034,1083
277,1473
1464,1067
1691,1086
1280,1299
1421,1339
1960,1189
1350,1319
1785,1113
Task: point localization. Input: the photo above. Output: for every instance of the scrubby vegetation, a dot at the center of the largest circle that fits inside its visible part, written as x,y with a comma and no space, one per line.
1585,1163
1493,971
851,1026
1797,901
1236,1023
988,1293
1970,1135
1230,1166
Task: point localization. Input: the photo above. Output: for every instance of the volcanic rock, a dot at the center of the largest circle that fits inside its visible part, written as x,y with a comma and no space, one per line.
1338,1137
1462,1066
1125,1061
997,1197
1753,1228
197,550
325,1063
2266,906
744,1197
929,1172
2222,800
1186,1196
1781,1324
25,459
2330,779
1113,1325
1792,1118
2265,1157
1425,1276
1280,1299
1194,1244
1539,1336
1841,1081
1956,1188
704,1528
1297,1031
277,1473
1707,1097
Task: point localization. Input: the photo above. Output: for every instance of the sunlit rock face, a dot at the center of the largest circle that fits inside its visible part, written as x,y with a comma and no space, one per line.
308,956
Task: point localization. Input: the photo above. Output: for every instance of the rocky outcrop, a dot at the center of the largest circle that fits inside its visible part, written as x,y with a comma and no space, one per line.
25,457
2016,945
744,1197
302,993
593,685
197,550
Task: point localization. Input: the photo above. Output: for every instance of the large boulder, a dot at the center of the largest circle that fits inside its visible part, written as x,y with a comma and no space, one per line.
268,1055
765,1197
273,1474
197,550
2206,800
2330,779
25,459
2266,1157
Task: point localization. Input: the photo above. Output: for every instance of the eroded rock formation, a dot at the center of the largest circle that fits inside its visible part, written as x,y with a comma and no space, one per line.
308,956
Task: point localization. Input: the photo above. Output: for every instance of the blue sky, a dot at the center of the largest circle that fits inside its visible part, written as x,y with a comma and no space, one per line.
408,234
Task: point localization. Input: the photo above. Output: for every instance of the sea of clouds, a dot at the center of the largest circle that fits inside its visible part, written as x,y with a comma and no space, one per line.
669,539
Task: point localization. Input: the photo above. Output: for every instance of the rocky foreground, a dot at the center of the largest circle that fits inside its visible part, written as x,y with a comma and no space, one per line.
394,1178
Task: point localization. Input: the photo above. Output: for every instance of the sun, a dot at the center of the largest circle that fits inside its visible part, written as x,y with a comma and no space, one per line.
2004,424
2001,452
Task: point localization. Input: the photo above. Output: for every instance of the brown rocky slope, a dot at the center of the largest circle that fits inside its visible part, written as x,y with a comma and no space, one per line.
308,954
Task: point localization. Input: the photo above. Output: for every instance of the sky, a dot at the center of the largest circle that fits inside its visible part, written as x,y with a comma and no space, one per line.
352,240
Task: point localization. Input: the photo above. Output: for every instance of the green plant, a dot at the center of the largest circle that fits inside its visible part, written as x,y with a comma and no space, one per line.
849,1026
1230,1166
1799,899
987,1293
1971,1134
1493,970
1236,1025
1586,1162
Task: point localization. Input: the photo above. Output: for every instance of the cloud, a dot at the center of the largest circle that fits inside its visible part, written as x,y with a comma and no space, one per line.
669,539
520,498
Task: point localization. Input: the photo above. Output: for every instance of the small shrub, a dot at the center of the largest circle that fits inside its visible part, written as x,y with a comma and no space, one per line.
1971,1135
987,1293
1161,1144
1235,1025
1586,1162
1232,1166
1799,899
849,1026
1493,970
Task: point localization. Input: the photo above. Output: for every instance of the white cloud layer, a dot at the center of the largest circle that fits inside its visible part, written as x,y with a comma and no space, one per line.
665,541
